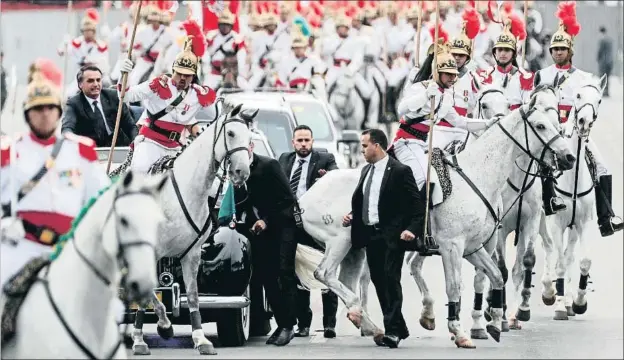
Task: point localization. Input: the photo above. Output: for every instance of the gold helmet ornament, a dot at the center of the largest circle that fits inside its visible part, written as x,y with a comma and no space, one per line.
226,17
513,31
187,62
444,61
90,20
462,44
41,92
568,26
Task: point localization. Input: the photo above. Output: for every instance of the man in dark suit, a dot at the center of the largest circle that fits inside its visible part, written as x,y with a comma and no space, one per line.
93,111
268,207
387,218
310,166
605,56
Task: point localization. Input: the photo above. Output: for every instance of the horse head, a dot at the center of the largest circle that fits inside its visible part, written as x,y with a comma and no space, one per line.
491,100
587,99
541,133
232,140
229,71
130,234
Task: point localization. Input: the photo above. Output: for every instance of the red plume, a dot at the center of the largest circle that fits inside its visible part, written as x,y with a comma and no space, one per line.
517,26
472,3
50,71
473,24
198,41
93,14
490,13
566,12
507,7
441,33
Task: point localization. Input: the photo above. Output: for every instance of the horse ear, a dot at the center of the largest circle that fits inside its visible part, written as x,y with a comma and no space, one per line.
236,110
128,178
248,115
603,83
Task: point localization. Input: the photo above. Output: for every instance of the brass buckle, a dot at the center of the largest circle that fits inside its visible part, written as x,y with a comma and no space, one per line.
173,136
47,236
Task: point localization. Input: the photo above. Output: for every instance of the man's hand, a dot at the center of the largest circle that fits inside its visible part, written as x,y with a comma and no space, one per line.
258,227
407,235
346,220
322,172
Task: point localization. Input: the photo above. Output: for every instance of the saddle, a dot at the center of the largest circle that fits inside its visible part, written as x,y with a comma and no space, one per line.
15,292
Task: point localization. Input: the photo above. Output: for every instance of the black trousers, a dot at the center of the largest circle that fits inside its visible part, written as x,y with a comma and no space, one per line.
385,265
330,300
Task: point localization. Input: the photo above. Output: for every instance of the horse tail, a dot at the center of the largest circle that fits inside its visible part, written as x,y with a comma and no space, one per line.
307,260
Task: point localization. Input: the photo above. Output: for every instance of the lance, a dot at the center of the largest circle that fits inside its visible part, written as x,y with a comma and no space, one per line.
69,18
420,14
526,12
124,79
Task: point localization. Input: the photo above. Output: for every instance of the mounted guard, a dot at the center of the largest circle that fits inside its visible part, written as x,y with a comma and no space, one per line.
37,209
298,68
566,77
171,104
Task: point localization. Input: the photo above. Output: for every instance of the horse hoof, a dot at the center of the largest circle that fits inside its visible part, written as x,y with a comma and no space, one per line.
579,309
523,315
570,311
378,338
515,324
486,314
464,343
548,301
206,349
505,326
494,332
427,324
478,334
561,315
140,349
165,333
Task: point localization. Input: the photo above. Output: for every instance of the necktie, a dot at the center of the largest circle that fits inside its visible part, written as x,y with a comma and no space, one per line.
367,188
294,181
98,115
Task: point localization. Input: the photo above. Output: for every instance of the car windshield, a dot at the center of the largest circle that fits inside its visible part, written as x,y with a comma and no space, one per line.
260,148
277,128
313,114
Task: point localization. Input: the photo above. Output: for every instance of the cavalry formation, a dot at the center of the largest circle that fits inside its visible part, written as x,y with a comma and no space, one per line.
492,173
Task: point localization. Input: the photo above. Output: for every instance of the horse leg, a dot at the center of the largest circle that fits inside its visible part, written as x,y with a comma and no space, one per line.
326,272
354,274
452,262
517,276
139,347
548,291
481,259
579,305
478,330
427,315
163,326
528,263
190,268
573,239
565,254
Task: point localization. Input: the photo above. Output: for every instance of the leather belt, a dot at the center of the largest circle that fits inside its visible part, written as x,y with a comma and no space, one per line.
44,235
415,133
171,135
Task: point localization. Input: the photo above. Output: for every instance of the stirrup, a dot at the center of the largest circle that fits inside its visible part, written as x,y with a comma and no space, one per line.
431,247
557,204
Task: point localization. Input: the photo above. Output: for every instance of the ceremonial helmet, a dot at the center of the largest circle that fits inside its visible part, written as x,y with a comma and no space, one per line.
186,62
255,20
269,18
342,20
568,27
412,13
41,92
90,20
462,44
226,17
299,41
445,62
513,30
152,13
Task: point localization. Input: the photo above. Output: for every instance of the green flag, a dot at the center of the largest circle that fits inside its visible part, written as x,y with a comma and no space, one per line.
228,206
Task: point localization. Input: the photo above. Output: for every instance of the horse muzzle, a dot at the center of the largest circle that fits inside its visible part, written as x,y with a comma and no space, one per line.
565,161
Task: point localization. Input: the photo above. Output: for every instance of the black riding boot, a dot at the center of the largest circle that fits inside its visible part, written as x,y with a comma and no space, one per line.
608,223
427,246
552,203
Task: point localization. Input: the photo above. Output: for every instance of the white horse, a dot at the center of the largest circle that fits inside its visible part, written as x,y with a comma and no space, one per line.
377,82
347,101
486,163
70,312
576,189
187,212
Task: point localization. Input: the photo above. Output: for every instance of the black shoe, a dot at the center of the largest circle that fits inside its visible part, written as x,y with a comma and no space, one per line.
608,223
404,334
284,337
303,332
391,341
551,202
329,333
274,336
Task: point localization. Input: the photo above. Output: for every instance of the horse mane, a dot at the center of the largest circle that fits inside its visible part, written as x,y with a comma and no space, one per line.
542,87
56,251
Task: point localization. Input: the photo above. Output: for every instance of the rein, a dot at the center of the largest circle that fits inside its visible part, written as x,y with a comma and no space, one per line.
121,260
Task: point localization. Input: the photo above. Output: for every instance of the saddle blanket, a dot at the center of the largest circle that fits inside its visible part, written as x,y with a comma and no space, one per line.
441,177
14,293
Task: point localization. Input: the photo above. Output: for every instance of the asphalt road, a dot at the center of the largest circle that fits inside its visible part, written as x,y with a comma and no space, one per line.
596,334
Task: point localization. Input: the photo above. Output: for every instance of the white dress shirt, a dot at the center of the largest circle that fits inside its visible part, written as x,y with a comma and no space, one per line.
99,106
375,190
301,189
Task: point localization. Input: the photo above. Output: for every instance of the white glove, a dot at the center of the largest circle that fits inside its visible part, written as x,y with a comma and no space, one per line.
126,66
433,89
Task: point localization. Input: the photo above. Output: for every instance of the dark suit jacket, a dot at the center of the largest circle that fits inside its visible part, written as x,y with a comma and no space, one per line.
269,192
400,207
318,161
605,53
78,118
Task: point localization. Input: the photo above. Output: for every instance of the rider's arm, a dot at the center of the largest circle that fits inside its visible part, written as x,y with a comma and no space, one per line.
413,101
462,122
137,93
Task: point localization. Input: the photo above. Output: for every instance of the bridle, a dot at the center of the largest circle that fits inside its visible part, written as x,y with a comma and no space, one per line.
594,114
121,261
479,100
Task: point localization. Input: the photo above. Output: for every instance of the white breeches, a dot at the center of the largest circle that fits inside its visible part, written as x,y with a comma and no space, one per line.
412,153
601,168
140,68
333,73
213,81
13,257
444,135
147,152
